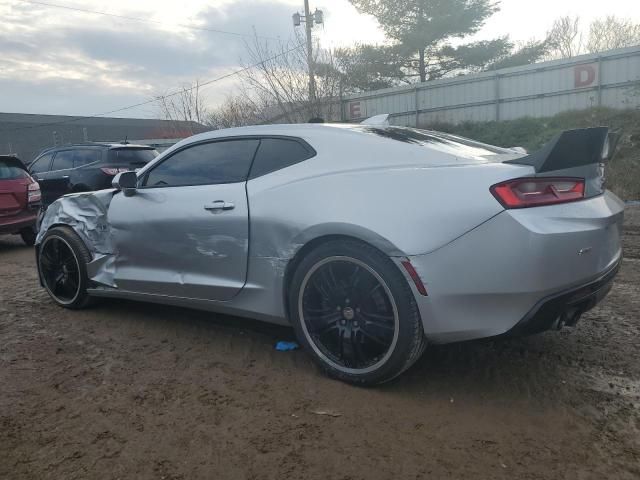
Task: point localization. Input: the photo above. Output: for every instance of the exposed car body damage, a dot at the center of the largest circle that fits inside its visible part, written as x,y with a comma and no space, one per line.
87,215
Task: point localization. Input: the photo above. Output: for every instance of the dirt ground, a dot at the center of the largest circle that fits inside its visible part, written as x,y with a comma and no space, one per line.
129,390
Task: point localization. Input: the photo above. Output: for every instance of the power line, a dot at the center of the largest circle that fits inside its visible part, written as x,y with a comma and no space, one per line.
147,20
155,99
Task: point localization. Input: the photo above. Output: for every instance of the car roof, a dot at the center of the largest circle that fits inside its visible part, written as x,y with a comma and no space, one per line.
110,146
303,130
284,129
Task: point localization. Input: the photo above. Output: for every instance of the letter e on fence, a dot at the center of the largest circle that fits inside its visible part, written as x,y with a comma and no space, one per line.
584,75
355,110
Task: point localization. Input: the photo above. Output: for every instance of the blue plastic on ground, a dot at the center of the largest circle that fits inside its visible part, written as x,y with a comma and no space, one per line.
286,346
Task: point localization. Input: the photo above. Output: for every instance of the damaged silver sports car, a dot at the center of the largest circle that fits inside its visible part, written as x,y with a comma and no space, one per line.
372,241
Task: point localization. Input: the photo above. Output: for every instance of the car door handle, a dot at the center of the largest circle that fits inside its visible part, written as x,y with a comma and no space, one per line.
219,205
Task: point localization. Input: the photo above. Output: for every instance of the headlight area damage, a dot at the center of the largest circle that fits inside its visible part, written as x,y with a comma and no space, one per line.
86,214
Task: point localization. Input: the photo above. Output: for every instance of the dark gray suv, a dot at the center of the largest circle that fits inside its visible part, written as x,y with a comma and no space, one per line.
85,167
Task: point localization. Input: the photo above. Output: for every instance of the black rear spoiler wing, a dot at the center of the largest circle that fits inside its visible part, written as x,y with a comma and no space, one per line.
573,148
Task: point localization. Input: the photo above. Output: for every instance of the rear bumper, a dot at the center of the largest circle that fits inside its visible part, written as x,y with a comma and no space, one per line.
565,308
518,269
14,224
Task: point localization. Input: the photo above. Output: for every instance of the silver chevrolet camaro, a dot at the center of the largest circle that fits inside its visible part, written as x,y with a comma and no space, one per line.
372,241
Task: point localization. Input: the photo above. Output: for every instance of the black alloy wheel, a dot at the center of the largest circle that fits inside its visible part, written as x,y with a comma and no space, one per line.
62,262
348,313
354,311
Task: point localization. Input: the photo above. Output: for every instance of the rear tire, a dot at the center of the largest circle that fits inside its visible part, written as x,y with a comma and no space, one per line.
29,236
354,312
62,264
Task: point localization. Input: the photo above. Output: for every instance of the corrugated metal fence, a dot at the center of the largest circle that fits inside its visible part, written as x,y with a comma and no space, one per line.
610,79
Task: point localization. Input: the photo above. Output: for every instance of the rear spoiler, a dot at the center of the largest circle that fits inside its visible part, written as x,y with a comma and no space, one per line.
572,148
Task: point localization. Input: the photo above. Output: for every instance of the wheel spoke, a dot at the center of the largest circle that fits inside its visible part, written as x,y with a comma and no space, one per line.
382,321
346,345
56,250
57,283
46,261
333,283
355,277
374,338
322,290
72,281
321,322
375,287
357,348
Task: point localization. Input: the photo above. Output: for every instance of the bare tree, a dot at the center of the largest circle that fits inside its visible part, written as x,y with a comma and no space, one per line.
238,111
611,32
277,76
565,38
184,109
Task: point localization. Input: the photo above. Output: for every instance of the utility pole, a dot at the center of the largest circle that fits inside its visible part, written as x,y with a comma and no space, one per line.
309,25
309,19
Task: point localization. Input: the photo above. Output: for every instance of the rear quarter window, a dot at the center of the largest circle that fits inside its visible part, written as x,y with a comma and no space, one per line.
278,153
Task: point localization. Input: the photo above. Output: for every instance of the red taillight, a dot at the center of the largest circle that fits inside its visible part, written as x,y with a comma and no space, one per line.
535,192
33,193
114,171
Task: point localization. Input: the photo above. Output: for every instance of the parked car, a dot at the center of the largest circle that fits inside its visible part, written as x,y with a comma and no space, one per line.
19,200
85,167
372,241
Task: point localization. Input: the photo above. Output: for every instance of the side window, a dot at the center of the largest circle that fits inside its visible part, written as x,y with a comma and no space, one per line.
226,161
85,156
41,164
63,160
276,153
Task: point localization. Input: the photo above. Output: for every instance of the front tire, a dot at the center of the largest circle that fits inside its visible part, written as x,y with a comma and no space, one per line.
354,312
62,263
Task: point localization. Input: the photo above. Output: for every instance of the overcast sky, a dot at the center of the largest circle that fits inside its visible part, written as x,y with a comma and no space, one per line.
58,61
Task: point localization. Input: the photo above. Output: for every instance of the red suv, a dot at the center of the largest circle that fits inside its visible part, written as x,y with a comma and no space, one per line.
19,200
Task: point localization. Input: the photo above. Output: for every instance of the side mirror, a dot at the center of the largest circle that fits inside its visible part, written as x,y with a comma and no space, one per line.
127,182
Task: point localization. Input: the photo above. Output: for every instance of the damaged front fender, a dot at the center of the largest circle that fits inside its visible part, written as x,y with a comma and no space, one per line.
87,215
